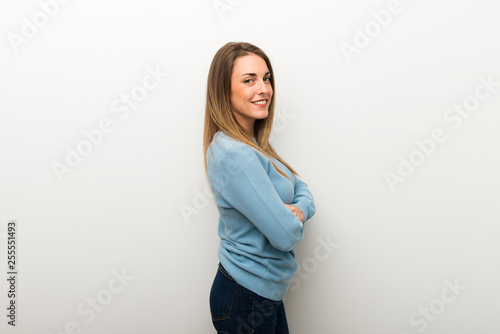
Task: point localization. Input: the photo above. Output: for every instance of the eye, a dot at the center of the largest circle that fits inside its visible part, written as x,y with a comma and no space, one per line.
268,78
247,80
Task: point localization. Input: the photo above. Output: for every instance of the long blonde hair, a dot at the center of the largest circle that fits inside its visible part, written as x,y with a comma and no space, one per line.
218,113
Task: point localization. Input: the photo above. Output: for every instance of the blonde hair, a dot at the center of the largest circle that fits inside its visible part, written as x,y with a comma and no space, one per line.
218,113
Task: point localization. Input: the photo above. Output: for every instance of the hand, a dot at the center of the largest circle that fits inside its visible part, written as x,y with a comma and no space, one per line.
296,211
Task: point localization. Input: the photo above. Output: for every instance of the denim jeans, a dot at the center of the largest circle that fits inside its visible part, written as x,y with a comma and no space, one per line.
237,310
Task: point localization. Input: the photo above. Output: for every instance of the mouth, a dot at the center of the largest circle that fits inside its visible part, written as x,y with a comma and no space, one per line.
260,103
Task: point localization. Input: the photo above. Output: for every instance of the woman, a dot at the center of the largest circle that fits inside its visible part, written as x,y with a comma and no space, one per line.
262,204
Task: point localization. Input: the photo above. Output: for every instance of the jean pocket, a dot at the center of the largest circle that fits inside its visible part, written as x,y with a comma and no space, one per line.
222,296
223,270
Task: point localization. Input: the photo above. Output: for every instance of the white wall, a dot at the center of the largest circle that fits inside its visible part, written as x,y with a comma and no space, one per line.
344,120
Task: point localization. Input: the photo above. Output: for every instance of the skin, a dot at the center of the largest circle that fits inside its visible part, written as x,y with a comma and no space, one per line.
250,82
296,211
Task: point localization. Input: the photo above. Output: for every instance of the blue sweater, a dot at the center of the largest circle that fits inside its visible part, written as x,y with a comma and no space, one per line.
258,233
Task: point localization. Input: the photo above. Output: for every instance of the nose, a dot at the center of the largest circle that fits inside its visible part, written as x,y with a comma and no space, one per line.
264,87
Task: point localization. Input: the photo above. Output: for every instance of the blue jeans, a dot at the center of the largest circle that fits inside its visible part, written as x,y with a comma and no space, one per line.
237,310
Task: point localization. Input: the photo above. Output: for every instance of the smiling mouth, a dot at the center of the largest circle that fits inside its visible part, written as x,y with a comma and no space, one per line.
260,102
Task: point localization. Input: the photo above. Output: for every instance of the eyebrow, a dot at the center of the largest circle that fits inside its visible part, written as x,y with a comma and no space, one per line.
254,75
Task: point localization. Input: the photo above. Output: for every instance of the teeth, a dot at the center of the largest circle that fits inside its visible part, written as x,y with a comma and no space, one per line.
260,102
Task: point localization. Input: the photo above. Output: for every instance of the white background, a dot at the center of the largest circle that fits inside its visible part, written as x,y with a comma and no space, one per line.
343,125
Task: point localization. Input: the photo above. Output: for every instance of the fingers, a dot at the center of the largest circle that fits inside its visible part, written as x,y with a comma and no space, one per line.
297,212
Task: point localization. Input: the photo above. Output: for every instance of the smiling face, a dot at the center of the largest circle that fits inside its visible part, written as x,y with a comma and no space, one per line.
251,90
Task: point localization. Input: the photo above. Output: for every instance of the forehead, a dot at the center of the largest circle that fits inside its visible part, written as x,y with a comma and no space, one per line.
250,64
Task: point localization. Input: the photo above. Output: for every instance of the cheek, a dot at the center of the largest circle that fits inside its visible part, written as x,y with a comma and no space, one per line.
235,93
236,99
240,96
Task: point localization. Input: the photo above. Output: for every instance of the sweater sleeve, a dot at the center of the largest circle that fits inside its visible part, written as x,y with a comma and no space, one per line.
303,199
244,184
